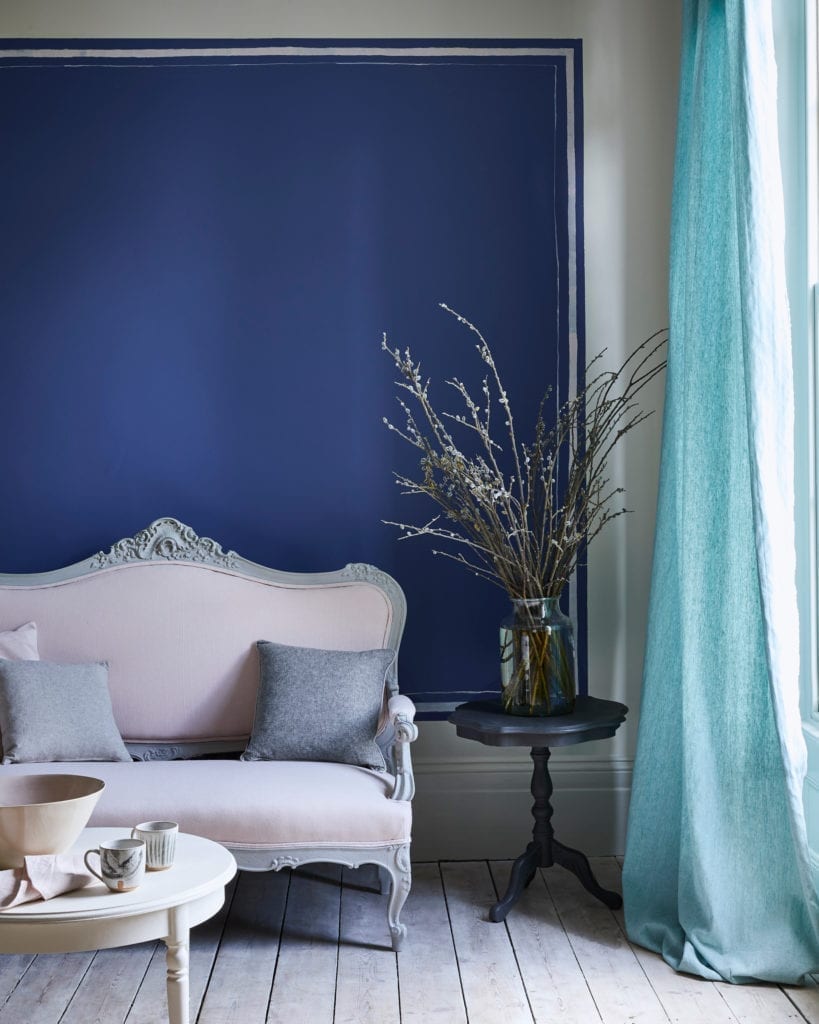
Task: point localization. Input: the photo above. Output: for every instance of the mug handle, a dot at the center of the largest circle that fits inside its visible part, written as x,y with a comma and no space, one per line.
93,872
132,833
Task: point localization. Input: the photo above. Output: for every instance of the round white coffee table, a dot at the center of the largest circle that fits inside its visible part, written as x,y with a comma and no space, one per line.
165,906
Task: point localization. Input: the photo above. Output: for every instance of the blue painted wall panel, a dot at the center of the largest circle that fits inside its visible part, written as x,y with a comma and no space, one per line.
198,263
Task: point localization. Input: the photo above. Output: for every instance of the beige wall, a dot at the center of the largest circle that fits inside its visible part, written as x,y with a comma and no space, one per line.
471,800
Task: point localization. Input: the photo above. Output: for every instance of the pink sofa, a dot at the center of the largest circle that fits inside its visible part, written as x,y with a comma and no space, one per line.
177,618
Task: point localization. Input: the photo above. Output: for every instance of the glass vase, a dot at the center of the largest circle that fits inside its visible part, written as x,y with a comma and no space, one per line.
537,659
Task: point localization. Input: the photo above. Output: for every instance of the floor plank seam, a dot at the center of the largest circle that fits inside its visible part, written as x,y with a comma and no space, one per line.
571,944
279,944
141,983
623,932
338,942
454,944
398,988
628,946
793,1004
16,984
229,900
514,950
734,1018
76,989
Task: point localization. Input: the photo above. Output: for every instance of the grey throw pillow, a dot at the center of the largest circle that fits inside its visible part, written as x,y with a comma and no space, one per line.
51,712
315,705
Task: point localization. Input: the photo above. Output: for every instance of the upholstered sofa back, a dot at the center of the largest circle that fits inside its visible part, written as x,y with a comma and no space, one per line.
179,634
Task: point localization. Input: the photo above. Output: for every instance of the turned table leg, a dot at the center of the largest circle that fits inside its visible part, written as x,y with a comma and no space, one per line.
176,957
523,871
538,852
545,850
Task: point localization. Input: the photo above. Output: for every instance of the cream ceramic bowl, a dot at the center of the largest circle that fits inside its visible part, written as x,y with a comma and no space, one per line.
43,814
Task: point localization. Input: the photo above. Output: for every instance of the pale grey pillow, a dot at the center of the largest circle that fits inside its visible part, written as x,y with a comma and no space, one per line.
51,712
315,705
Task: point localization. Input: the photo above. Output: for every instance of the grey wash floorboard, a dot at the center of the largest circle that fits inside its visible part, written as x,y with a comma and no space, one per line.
308,958
493,988
110,985
553,979
621,991
313,948
46,989
806,1000
12,969
240,983
367,980
428,978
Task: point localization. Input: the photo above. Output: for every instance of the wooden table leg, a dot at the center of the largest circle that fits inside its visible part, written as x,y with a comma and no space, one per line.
578,864
177,957
523,871
545,850
538,853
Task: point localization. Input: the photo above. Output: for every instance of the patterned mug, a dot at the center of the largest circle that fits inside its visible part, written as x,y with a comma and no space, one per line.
160,843
122,863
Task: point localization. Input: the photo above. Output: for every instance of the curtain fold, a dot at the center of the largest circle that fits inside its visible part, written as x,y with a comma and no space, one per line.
717,876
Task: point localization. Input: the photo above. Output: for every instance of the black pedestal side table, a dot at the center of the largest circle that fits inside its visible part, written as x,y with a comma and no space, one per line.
592,719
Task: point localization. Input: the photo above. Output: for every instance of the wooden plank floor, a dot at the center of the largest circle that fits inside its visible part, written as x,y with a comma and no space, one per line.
310,948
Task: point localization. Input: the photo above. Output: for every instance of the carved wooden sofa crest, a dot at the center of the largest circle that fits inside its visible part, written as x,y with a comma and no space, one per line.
177,618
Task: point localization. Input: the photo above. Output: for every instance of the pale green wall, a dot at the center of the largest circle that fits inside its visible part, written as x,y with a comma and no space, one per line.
630,85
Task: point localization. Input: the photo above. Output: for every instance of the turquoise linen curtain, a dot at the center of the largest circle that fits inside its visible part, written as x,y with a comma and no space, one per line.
716,875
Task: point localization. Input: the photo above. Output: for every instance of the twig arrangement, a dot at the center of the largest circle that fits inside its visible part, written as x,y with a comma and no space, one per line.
502,501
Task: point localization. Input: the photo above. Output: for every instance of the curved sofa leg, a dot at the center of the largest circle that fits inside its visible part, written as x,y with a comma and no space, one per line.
399,868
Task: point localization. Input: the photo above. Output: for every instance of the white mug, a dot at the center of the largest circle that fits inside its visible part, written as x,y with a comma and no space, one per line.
160,843
122,863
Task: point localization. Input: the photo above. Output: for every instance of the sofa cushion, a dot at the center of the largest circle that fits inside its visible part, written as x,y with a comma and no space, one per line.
253,804
20,644
51,712
316,705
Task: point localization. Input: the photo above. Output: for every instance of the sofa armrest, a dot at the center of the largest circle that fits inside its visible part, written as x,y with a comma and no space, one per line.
401,712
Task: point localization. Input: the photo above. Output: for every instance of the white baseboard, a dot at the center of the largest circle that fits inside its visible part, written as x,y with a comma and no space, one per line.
475,809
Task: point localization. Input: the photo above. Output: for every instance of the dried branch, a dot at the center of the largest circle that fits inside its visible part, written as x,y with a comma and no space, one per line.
525,536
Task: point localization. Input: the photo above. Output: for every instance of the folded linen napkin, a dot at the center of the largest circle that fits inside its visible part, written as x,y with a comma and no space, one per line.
42,877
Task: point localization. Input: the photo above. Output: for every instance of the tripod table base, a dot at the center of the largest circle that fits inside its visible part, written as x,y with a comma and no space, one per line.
592,719
524,868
